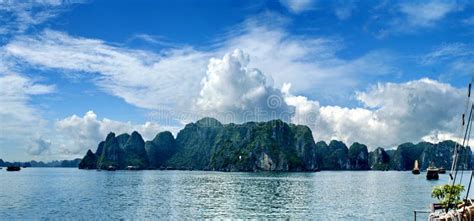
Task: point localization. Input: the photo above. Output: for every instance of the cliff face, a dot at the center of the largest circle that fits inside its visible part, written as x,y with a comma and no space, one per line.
120,152
335,156
160,149
134,152
358,157
405,156
265,146
194,144
89,161
440,155
270,146
379,159
112,154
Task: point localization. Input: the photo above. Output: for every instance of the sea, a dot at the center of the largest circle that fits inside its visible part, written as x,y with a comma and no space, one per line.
69,193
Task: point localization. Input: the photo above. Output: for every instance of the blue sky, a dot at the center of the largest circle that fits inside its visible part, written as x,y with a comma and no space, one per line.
71,71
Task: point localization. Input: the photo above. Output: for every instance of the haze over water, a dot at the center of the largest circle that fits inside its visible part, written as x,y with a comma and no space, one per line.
55,193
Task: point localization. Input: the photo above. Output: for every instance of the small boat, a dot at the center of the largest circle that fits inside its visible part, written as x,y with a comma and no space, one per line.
442,170
111,168
132,167
416,170
13,168
432,173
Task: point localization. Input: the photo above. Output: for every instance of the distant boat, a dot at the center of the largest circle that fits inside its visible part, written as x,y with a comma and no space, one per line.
13,168
416,169
110,168
132,168
442,170
432,173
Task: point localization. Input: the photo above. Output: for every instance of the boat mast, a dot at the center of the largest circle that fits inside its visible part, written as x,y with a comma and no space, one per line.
466,131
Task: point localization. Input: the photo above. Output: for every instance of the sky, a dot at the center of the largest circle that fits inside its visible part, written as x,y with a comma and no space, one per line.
376,72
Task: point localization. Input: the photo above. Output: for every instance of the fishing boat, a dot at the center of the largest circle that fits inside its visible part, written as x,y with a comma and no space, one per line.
432,173
441,170
416,169
111,168
454,208
132,168
13,168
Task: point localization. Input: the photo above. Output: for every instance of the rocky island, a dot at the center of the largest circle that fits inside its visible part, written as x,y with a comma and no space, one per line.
259,146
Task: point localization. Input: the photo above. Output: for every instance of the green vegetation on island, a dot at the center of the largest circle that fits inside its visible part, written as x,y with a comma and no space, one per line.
259,146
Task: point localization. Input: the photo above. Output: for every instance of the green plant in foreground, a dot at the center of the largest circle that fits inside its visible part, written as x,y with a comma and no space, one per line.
448,195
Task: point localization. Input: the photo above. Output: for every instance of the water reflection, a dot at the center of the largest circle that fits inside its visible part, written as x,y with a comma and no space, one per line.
70,193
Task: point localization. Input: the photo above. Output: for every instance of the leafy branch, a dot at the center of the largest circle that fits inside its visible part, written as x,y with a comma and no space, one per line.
448,195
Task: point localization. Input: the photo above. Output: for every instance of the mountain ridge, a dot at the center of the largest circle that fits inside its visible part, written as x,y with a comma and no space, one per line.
207,144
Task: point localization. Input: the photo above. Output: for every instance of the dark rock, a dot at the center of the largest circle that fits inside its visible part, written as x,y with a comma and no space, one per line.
134,152
379,159
358,157
89,161
269,146
122,140
336,157
160,149
405,156
440,155
112,154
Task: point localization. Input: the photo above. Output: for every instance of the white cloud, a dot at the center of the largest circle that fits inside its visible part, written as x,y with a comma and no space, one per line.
39,146
77,134
15,95
469,21
344,10
427,13
392,114
141,78
408,17
452,59
19,16
167,79
307,63
231,87
298,6
448,52
19,119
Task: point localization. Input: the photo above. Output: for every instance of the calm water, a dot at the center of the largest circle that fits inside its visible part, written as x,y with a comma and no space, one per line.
57,193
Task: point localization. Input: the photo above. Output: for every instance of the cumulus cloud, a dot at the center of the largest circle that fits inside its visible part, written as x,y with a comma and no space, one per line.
391,114
77,134
231,87
172,75
308,63
39,146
